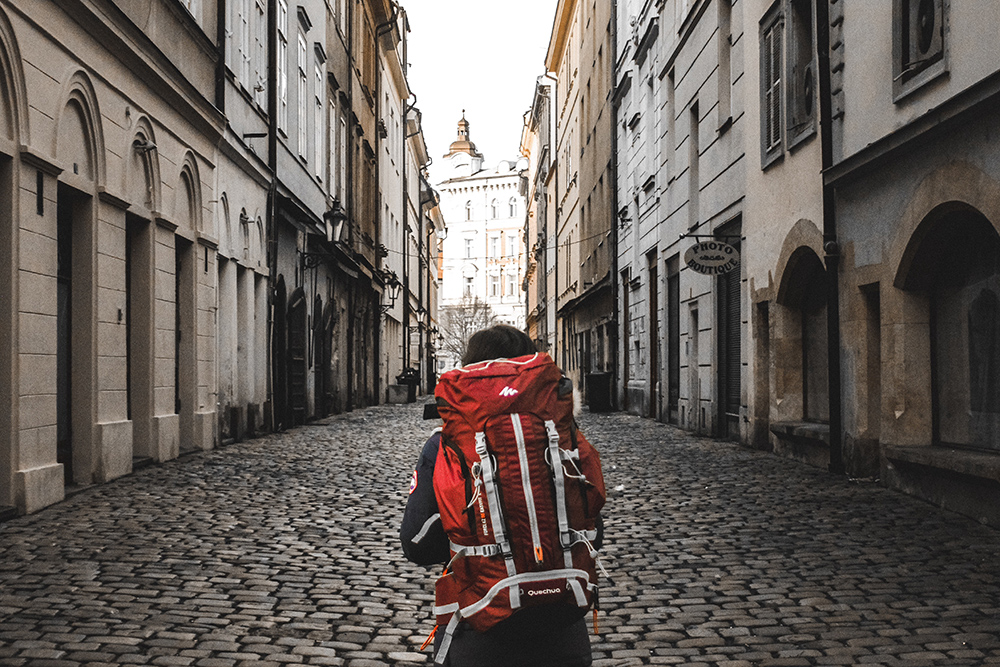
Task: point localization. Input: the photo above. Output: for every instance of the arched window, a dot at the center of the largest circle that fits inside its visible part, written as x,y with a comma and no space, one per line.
494,209
512,204
468,210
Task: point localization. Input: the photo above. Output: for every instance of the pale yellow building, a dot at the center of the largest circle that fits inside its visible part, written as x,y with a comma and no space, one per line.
581,57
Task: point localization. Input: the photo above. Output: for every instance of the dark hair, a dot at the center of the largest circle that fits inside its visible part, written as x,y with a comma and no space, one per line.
500,341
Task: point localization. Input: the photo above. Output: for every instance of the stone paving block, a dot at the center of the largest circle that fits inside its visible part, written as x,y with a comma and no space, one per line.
721,556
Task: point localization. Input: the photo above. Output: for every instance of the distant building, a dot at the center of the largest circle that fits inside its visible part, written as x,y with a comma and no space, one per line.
483,255
581,56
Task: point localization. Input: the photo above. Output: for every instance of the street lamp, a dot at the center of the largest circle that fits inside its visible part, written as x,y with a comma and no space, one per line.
392,286
334,219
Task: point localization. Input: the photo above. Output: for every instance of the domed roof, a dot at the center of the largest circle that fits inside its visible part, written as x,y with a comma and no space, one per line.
462,143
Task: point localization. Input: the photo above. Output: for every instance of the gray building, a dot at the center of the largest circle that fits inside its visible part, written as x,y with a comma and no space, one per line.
191,215
681,181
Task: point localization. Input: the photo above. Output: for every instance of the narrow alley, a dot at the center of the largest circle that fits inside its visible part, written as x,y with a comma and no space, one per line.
284,550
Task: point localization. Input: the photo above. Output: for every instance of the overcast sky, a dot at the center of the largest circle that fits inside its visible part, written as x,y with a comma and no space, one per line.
482,56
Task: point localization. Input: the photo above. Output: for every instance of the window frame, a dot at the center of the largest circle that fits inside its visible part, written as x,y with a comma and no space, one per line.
906,79
799,124
770,63
318,108
302,93
283,66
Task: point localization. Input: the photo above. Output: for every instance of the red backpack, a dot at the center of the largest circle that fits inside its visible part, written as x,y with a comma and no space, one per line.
519,489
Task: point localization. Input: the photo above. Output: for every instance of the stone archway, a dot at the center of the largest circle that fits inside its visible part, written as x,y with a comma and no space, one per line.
952,266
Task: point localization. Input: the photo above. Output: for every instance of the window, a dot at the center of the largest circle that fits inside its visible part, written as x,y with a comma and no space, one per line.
260,55
494,246
725,37
468,248
495,285
770,88
244,64
787,78
919,44
670,137
494,209
801,72
331,167
511,284
468,210
511,245
467,289
302,100
283,65
512,207
342,162
318,120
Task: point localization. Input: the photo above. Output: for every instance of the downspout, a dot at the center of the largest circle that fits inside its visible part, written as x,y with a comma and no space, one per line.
220,64
406,240
830,246
407,107
349,200
554,101
614,202
272,223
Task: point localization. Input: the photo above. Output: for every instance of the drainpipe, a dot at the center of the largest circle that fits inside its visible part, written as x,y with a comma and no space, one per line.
554,139
830,246
614,202
220,64
272,222
407,107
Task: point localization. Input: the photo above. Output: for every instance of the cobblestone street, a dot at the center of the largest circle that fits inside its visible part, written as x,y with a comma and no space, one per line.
284,550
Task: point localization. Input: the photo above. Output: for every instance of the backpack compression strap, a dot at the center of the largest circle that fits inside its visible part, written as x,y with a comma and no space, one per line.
496,518
565,536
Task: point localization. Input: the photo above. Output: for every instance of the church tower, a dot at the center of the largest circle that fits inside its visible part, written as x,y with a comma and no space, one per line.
462,155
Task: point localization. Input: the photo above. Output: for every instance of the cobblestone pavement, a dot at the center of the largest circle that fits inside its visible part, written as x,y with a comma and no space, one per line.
283,550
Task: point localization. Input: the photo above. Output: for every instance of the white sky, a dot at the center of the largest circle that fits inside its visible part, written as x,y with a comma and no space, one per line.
482,56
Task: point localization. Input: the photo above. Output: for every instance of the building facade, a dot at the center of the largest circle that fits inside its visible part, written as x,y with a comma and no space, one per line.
581,57
847,155
483,255
191,215
537,138
112,171
915,188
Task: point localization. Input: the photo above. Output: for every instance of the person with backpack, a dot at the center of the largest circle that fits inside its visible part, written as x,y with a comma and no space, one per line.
508,495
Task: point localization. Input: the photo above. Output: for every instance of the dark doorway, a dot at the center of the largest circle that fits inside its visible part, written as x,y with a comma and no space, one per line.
297,357
279,352
626,340
64,331
185,359
139,334
320,351
730,352
653,409
673,340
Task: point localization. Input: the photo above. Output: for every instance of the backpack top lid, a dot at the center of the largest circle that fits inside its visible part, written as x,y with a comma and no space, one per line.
500,386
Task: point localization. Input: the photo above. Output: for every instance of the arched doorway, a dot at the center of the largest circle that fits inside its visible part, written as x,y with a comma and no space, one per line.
279,359
297,399
320,350
801,355
954,261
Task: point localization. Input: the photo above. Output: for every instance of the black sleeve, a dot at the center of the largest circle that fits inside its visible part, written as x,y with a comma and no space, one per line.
421,534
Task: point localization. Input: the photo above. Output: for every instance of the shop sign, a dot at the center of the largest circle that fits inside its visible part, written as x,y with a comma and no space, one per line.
712,257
